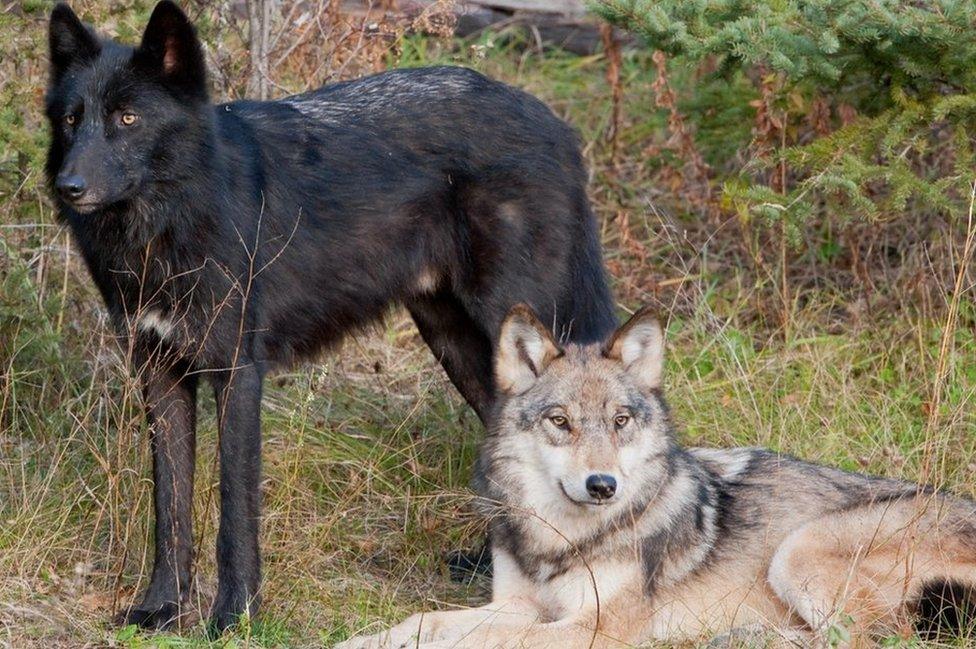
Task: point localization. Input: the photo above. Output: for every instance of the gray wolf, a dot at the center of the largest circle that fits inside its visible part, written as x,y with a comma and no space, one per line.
608,533
230,239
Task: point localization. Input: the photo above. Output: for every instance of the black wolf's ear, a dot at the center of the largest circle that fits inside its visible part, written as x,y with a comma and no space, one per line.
639,346
69,40
525,349
170,48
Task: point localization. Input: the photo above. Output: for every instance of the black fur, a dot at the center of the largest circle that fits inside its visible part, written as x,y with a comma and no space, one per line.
255,234
945,610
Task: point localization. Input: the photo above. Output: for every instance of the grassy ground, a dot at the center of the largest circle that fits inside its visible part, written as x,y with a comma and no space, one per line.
368,453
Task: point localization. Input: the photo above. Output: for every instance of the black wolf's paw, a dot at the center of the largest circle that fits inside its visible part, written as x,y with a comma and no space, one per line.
220,622
465,567
151,616
230,611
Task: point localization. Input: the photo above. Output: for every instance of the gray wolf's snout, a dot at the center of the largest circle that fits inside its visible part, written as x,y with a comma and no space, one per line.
601,486
71,186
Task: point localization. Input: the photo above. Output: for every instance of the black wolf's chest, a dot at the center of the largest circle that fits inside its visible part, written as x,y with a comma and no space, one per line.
186,308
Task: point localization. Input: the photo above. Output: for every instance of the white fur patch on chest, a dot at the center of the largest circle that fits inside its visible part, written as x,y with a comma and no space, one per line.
153,321
580,589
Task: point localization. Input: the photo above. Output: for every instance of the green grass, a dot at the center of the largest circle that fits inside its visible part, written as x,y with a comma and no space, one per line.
368,453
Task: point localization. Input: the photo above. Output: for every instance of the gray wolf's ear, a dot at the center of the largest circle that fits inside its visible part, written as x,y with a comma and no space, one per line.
69,40
525,349
170,48
639,346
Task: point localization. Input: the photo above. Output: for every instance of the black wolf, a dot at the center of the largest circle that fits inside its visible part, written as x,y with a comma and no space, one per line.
229,239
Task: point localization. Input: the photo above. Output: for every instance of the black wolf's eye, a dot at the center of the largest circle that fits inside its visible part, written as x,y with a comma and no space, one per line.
560,421
620,421
128,119
69,120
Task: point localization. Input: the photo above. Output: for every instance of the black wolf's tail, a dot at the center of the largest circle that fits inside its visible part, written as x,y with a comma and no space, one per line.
592,314
946,609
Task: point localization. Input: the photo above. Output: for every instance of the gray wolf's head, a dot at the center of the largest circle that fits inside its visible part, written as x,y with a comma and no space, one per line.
583,425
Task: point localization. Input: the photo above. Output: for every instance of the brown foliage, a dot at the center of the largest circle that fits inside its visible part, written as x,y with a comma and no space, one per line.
692,178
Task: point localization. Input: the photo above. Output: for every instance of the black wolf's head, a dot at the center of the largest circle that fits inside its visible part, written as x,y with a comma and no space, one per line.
122,118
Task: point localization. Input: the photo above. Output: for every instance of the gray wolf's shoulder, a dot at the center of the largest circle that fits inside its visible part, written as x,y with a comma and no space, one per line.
732,464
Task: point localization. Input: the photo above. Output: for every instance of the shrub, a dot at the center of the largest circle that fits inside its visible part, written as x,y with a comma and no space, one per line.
863,109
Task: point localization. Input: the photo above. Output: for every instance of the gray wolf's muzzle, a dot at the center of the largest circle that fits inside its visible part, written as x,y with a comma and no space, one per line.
601,486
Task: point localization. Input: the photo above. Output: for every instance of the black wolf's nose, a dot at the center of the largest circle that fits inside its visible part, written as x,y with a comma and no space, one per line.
601,486
71,186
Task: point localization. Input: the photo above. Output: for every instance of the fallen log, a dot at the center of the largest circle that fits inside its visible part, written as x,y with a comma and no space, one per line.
563,24
579,34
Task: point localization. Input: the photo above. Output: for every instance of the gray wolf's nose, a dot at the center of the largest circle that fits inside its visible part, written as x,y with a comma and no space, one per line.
601,486
70,186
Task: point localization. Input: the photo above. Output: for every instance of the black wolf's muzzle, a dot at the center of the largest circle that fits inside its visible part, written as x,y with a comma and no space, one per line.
71,187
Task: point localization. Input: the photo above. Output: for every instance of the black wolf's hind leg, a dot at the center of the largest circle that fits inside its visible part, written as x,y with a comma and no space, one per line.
464,350
461,346
170,397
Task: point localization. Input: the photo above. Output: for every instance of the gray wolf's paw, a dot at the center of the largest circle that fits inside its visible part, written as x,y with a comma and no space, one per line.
415,630
374,641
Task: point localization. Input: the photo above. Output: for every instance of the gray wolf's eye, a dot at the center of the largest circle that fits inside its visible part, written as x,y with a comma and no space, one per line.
620,421
128,119
560,422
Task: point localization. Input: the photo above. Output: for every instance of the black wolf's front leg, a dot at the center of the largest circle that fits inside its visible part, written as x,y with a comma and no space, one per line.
238,394
170,398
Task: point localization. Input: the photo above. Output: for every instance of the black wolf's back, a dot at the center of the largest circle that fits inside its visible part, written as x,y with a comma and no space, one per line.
503,171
